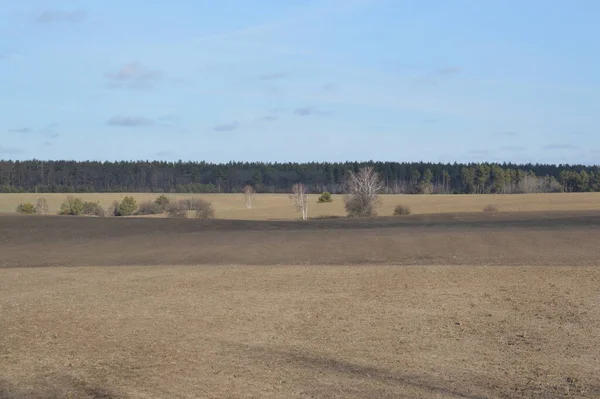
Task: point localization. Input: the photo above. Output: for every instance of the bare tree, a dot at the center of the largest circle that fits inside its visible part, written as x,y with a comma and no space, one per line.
249,195
42,206
363,192
300,199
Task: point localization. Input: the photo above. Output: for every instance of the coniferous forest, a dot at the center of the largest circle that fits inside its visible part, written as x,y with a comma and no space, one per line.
201,177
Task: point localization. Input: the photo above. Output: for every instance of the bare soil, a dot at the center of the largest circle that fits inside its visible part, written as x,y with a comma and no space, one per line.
485,306
519,238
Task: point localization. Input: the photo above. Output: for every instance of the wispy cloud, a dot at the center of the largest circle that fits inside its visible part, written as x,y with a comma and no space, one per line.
561,146
449,71
133,75
130,121
226,127
269,118
60,16
168,118
5,54
329,87
274,76
309,111
20,130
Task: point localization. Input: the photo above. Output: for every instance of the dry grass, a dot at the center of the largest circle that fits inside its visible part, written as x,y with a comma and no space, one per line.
278,206
300,332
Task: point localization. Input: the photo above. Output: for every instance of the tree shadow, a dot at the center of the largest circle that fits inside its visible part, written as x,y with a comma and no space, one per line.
356,371
55,387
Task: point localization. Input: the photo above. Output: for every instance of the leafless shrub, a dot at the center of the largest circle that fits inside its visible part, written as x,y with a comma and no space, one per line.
149,208
202,209
191,204
41,206
249,195
363,192
93,209
113,209
300,199
401,210
177,209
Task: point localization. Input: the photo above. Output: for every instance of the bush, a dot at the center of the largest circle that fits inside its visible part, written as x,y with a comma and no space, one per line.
93,209
177,210
162,201
325,197
401,210
356,207
150,208
127,207
204,209
490,208
41,206
113,210
71,206
27,208
192,204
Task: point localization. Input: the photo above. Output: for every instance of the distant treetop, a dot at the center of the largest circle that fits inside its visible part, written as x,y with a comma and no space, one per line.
232,177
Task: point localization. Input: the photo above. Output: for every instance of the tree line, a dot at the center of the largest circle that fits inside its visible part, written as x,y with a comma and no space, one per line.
202,177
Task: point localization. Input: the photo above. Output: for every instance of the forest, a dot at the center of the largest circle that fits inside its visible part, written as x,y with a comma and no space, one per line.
202,177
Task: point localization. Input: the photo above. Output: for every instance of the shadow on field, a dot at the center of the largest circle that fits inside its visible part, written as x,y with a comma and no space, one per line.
55,387
356,372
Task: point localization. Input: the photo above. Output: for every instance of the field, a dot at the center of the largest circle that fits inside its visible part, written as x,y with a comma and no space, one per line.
278,206
474,305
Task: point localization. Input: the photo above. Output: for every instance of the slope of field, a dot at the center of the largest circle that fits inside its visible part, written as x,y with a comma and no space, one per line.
278,206
300,332
520,238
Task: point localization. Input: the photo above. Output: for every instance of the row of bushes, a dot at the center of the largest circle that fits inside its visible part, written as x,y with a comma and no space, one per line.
75,206
200,208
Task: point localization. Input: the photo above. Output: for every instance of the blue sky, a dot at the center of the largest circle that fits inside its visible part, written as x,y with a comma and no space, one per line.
328,80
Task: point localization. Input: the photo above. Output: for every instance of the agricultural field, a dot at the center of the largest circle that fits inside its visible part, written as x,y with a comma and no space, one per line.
279,207
458,305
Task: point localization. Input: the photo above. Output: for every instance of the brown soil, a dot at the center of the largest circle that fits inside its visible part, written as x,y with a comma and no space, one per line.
521,238
302,329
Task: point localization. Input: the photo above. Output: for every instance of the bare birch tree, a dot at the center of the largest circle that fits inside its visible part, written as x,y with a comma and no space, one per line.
300,199
249,195
363,192
41,206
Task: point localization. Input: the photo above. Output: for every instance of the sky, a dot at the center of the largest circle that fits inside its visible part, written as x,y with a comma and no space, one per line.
301,80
